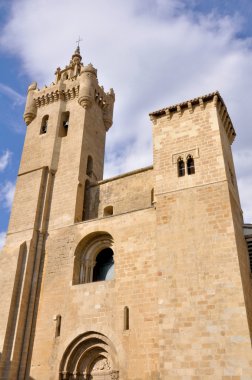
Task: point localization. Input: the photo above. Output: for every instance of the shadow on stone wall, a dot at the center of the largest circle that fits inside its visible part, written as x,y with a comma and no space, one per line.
8,365
91,201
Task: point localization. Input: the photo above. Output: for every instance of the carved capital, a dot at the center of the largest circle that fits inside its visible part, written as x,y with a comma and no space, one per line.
115,375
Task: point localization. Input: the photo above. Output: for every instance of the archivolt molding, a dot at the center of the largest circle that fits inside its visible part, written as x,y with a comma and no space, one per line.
89,355
85,255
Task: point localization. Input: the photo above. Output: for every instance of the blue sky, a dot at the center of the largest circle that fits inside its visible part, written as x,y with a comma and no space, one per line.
153,53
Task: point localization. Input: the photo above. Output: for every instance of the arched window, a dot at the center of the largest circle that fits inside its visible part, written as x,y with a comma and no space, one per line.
104,266
181,167
190,165
108,211
63,130
89,170
94,259
44,124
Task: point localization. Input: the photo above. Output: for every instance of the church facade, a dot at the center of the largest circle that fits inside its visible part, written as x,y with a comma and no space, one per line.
144,276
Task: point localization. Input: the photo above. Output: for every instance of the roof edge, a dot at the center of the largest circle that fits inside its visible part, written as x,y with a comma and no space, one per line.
218,102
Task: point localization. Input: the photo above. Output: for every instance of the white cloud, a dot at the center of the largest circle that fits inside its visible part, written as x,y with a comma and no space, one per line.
5,160
14,95
245,186
153,53
2,239
243,163
7,194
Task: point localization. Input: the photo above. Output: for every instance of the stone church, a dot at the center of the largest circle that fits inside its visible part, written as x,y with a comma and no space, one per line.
143,276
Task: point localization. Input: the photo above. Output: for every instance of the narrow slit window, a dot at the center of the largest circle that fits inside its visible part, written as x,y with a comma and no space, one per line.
126,318
89,170
181,167
44,125
58,326
190,165
152,196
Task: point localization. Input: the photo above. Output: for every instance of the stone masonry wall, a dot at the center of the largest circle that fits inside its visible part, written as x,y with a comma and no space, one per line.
125,193
202,315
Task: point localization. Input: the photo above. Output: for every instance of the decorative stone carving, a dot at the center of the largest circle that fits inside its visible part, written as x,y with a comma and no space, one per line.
115,375
54,96
102,365
183,155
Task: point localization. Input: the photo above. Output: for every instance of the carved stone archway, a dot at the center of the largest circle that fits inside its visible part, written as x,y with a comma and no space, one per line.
91,356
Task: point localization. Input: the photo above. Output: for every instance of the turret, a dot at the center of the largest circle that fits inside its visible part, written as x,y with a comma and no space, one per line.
30,107
108,109
88,81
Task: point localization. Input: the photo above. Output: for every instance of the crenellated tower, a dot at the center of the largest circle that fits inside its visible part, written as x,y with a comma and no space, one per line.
63,155
66,131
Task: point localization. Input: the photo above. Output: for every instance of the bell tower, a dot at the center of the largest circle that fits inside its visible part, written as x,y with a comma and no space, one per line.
63,154
66,130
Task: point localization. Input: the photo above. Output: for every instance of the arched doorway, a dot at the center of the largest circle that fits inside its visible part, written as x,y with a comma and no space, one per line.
91,356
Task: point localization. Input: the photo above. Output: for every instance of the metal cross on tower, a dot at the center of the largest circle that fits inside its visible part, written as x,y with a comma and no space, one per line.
78,42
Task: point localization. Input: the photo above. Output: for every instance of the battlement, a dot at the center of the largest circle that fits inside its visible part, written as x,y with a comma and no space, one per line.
201,102
75,81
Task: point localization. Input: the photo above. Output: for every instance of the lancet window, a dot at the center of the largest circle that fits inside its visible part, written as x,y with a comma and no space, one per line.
181,167
190,165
